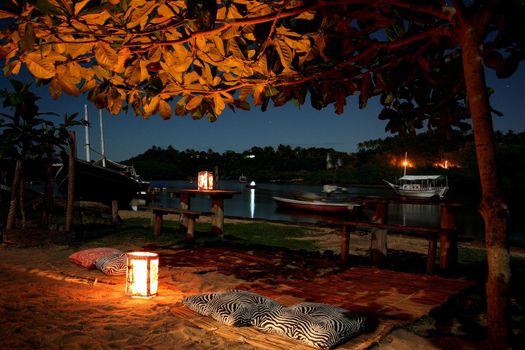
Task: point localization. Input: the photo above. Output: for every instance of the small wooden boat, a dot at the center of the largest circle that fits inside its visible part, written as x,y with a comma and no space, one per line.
420,186
315,205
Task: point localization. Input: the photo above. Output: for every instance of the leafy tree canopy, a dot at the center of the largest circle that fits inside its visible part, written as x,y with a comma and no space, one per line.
197,57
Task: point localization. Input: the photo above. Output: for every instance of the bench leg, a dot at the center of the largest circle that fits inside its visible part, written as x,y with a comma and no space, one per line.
190,233
345,244
378,247
157,224
431,254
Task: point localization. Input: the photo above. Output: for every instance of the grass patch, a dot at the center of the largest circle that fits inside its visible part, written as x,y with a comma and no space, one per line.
137,231
267,234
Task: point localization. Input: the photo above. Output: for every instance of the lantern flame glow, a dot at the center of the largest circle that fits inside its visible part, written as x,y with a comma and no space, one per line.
142,274
205,181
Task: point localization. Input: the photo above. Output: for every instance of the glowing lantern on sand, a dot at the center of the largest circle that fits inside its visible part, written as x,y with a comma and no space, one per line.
142,279
205,181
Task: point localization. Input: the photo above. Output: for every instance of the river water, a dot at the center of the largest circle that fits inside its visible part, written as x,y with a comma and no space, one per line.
257,203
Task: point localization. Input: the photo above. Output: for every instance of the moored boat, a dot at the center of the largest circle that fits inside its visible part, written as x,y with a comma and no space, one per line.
99,184
420,186
315,205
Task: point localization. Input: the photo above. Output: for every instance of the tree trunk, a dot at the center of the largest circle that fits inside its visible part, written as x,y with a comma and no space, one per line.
71,182
21,199
10,224
493,208
47,201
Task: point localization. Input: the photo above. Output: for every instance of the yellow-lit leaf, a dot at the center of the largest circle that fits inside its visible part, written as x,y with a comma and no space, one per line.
218,103
42,68
139,14
194,102
105,55
307,15
12,68
258,94
5,14
234,49
164,109
144,74
200,41
123,55
219,44
101,73
244,92
227,97
66,84
165,11
80,5
285,53
96,18
151,106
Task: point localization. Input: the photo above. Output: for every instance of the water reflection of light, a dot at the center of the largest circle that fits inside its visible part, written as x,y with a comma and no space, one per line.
252,202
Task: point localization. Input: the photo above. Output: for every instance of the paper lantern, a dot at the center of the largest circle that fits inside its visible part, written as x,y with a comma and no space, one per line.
142,279
205,181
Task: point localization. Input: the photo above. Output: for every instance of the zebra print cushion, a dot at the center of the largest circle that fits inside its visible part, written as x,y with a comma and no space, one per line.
200,302
320,325
345,323
234,308
113,264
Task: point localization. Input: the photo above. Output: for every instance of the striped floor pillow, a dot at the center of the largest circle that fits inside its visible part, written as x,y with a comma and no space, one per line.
342,322
234,308
113,264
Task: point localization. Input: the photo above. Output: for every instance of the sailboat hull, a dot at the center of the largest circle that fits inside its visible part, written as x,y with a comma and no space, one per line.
99,184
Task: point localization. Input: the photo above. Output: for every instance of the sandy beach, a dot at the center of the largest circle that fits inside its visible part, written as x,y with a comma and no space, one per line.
48,302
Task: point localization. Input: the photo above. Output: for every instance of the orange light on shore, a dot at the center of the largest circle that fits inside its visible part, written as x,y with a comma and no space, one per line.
205,181
142,279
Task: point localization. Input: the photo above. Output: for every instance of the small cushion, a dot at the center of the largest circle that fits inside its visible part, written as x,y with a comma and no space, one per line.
320,325
233,308
200,302
113,264
87,257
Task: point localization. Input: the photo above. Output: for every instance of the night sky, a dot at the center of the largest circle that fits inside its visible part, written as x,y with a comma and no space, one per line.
127,135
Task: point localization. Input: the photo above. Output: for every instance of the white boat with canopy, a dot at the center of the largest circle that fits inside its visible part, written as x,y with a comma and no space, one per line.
420,186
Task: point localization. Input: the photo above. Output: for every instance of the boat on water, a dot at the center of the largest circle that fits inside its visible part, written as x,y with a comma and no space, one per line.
103,180
420,186
316,205
98,184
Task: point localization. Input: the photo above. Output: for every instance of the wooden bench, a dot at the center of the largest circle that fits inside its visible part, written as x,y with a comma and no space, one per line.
191,215
447,239
446,232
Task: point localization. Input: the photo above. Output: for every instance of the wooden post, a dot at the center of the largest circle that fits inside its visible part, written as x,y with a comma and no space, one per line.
114,211
378,243
345,243
448,240
185,203
71,182
431,254
157,223
217,220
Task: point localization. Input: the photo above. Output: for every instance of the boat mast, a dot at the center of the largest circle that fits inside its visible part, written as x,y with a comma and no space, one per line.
405,165
86,133
102,138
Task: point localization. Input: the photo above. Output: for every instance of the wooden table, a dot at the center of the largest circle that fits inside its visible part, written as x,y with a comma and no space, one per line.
217,205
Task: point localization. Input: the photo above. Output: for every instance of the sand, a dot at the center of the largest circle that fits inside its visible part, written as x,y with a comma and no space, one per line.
47,302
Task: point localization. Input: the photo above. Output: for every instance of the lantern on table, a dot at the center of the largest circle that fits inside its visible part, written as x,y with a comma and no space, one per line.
205,181
142,274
